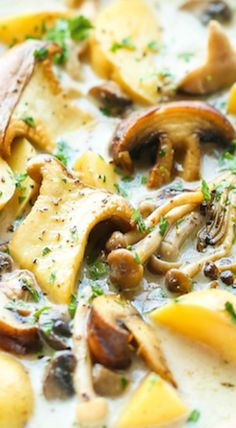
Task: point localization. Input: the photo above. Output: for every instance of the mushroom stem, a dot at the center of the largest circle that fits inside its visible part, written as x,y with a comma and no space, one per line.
161,172
127,266
92,410
161,267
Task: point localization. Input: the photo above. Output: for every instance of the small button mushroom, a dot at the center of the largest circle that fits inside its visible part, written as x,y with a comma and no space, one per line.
58,382
6,263
211,271
227,277
178,282
55,330
107,382
177,126
207,10
114,324
111,97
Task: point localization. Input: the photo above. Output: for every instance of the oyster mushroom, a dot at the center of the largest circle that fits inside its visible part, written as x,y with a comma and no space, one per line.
58,380
110,96
161,130
92,409
219,70
207,10
61,221
27,75
113,326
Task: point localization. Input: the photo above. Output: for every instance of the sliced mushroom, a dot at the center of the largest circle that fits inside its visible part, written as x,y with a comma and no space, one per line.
6,263
206,10
113,326
111,97
107,383
20,284
55,330
64,215
220,68
175,126
58,378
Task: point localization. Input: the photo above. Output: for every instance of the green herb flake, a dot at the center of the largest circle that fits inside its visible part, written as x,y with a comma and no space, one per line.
153,46
137,258
41,54
52,278
96,291
185,56
38,313
136,216
29,120
28,286
46,251
63,152
121,190
162,152
194,416
72,307
97,269
125,43
124,382
163,226
47,327
205,191
79,27
231,311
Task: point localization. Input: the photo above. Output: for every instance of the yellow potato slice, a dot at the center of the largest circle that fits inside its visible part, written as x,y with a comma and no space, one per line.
121,48
205,316
231,105
22,151
16,395
15,29
155,403
7,183
94,171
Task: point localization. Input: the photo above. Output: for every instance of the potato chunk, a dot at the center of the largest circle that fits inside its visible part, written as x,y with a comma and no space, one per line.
7,183
206,316
155,403
16,395
56,231
231,106
120,48
94,171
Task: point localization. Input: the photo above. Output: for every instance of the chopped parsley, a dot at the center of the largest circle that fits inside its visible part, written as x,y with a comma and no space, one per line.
136,216
46,251
185,56
41,54
124,382
178,185
205,191
28,286
47,327
19,179
120,190
194,416
72,306
63,152
231,311
228,162
137,258
79,27
29,120
96,291
163,226
153,46
162,152
97,269
52,278
38,313
125,43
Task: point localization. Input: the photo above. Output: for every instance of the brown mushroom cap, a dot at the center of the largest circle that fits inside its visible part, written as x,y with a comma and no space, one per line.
58,383
16,68
110,95
184,123
113,324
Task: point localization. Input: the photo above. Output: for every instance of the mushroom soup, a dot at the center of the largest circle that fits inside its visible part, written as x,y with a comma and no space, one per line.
117,214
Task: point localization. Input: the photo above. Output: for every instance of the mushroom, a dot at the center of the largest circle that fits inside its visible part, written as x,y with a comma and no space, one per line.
219,70
55,330
108,383
161,267
63,216
58,378
127,266
180,280
20,284
27,75
178,126
207,10
111,97
114,325
92,409
6,263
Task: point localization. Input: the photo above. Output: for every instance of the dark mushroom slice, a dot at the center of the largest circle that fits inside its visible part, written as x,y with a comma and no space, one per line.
111,97
58,378
6,263
55,330
114,326
179,126
108,383
20,284
206,10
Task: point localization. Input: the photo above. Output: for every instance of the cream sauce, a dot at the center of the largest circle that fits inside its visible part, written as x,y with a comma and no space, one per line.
202,377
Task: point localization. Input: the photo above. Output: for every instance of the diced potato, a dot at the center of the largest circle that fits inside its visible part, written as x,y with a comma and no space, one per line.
206,316
155,403
16,28
94,171
16,395
7,183
231,107
122,48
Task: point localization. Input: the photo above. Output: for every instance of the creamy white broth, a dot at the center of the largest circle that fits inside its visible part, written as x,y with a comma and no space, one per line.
203,378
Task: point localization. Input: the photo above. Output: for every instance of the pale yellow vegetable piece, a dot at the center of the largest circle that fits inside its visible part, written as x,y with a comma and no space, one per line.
154,404
203,316
15,29
120,47
7,183
231,106
61,220
21,152
16,395
94,171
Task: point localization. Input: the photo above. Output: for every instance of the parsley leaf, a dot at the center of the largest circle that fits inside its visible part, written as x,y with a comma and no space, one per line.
72,306
28,286
227,162
163,226
41,54
97,269
63,152
79,27
29,120
96,291
125,43
230,309
205,191
136,216
194,416
46,251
